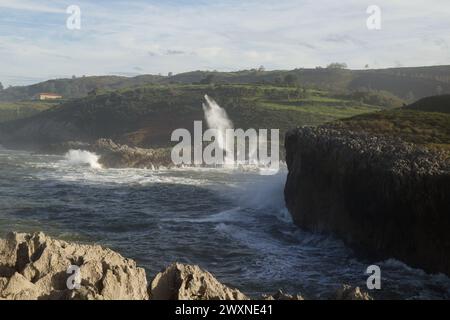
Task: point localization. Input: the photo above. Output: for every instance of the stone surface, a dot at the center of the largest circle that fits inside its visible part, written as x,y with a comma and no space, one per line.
347,292
187,282
114,155
34,266
280,295
383,197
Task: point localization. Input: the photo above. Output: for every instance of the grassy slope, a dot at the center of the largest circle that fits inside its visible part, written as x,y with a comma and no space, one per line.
22,109
417,123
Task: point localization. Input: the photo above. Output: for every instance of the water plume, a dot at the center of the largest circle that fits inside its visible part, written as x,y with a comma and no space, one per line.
82,157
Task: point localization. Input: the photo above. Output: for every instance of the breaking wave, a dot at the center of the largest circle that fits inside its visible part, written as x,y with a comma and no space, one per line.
83,158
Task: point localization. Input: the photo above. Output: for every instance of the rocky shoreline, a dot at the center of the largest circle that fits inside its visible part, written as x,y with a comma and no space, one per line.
114,155
385,198
35,267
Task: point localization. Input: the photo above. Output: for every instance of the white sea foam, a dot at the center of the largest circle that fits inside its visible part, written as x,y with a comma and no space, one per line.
82,157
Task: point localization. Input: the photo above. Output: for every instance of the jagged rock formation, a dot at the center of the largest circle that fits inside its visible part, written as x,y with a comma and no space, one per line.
280,295
114,155
384,197
34,266
347,292
186,282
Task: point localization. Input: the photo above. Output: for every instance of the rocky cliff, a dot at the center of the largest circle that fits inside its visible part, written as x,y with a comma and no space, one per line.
383,197
35,266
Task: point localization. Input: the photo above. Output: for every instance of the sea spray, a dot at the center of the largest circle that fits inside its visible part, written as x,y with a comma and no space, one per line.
223,138
216,117
82,157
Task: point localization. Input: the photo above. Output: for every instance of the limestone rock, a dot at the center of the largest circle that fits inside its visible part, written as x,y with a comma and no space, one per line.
280,295
187,282
383,197
347,292
113,155
40,266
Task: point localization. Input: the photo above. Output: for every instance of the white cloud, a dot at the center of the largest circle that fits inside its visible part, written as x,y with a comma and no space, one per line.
226,35
31,6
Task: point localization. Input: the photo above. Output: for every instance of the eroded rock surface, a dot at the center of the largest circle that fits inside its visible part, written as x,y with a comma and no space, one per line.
280,295
114,155
34,266
383,197
187,282
347,292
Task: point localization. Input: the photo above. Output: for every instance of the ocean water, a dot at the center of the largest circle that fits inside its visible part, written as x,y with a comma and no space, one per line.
231,222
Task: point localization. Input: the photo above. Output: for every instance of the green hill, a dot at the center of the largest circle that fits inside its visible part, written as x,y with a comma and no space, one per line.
433,104
146,116
404,83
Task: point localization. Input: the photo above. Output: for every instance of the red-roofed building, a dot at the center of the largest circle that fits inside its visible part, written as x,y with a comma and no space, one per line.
49,96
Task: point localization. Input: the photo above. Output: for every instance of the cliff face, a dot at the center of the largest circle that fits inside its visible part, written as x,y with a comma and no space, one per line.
383,197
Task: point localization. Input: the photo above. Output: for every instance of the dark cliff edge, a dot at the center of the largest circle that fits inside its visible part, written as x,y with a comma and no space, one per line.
385,198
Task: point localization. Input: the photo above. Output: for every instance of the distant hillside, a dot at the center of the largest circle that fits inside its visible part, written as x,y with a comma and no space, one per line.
76,87
405,83
146,116
433,104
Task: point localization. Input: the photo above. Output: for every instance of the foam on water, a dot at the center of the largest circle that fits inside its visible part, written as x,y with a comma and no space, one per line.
82,157
231,222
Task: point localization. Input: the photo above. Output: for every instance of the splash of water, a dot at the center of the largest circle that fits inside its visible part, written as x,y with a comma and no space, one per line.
217,118
82,157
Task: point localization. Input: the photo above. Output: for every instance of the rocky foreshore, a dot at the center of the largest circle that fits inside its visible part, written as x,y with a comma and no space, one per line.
114,155
37,267
383,197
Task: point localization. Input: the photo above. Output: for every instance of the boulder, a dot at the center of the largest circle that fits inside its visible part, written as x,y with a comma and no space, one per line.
34,266
187,282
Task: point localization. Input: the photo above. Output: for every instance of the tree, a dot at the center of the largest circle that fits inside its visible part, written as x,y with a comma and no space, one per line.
290,79
261,69
337,65
1,86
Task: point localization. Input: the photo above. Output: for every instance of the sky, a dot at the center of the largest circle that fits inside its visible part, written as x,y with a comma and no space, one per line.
157,37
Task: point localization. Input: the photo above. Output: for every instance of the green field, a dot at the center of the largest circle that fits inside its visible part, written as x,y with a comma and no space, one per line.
23,109
146,116
431,129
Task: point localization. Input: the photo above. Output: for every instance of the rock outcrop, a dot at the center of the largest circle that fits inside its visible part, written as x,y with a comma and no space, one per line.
187,282
383,197
347,292
113,155
37,267
34,266
280,295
